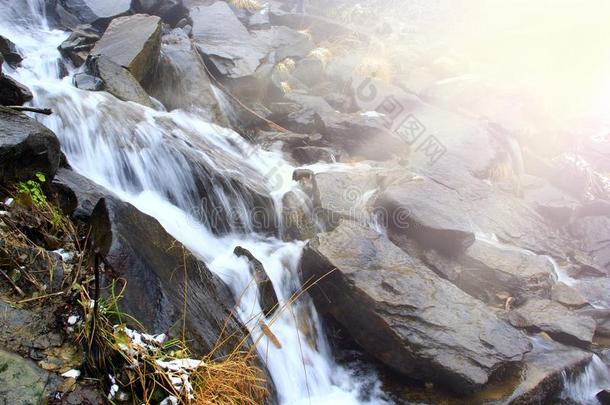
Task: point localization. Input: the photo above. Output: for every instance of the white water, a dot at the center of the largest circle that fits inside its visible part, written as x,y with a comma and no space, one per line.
142,155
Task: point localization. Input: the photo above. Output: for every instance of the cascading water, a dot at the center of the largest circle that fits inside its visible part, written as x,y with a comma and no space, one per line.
146,157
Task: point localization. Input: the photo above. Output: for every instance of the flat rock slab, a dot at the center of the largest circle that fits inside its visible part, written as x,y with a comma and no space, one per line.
133,42
222,38
558,321
21,381
404,314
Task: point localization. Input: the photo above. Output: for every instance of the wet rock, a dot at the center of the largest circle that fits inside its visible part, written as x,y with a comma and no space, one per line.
559,322
297,216
170,11
117,80
595,291
266,293
140,251
494,275
88,82
9,52
567,296
543,372
405,315
181,80
140,53
603,397
79,44
312,154
78,194
21,381
96,12
26,147
229,47
12,92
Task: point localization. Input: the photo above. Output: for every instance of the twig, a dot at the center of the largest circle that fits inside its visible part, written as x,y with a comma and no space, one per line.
45,111
12,283
40,298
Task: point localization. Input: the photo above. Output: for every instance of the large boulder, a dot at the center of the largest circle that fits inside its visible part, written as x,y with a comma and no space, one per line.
229,47
141,252
26,147
559,322
494,274
593,236
181,80
117,80
12,92
404,314
95,12
133,42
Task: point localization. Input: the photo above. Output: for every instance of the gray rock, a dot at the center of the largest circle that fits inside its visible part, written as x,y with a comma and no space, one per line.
96,12
283,42
593,236
405,315
78,194
26,147
313,154
567,296
140,251
88,82
266,293
9,51
12,92
170,11
229,46
117,80
21,381
79,43
492,274
559,322
181,80
133,42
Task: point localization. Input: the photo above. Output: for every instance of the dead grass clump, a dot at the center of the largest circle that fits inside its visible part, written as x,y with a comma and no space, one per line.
250,5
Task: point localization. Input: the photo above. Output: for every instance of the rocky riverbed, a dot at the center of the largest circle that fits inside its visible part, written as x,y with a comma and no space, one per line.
443,255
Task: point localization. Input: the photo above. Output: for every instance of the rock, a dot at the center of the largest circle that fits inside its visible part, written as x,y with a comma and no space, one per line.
593,237
88,82
12,92
552,203
603,397
26,147
305,155
117,80
560,323
78,194
170,11
266,293
426,212
298,222
492,274
95,12
544,370
595,291
283,42
21,381
1,63
229,47
181,80
405,315
310,71
79,44
140,53
140,251
362,135
567,296
9,52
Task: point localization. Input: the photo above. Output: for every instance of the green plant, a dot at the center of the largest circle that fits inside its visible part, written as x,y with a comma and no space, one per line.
33,190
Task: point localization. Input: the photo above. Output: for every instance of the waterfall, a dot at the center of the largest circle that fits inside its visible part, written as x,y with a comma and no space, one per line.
157,161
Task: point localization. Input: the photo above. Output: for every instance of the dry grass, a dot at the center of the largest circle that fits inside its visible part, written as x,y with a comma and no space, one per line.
322,54
286,66
251,5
